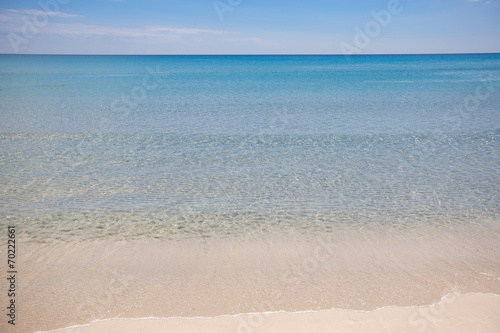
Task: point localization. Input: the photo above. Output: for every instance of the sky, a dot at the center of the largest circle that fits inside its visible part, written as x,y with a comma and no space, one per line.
249,26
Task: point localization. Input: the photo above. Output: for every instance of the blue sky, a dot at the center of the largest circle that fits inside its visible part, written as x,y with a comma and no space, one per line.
249,26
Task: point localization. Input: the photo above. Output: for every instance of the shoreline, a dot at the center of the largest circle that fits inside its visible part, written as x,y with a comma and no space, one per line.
446,315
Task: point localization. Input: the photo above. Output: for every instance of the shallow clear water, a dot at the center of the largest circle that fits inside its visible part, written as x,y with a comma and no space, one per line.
206,145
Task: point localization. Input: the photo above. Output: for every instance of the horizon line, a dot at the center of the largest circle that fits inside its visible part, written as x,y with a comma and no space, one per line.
246,54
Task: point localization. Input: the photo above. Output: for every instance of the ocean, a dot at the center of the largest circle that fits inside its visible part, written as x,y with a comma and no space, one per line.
169,145
393,158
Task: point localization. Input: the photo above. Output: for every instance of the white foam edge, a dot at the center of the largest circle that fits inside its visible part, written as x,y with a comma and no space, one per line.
275,312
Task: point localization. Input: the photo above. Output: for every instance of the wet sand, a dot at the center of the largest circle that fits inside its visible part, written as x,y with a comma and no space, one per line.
62,284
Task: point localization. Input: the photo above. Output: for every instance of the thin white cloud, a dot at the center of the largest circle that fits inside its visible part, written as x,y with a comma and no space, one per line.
11,20
17,12
85,30
190,31
6,18
243,39
486,2
79,37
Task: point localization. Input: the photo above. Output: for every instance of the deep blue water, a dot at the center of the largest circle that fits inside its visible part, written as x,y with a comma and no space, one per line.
184,141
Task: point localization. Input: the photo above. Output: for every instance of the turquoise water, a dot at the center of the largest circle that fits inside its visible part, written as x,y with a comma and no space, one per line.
126,146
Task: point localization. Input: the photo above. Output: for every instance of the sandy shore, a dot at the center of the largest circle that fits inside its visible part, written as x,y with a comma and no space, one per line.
454,313
378,279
